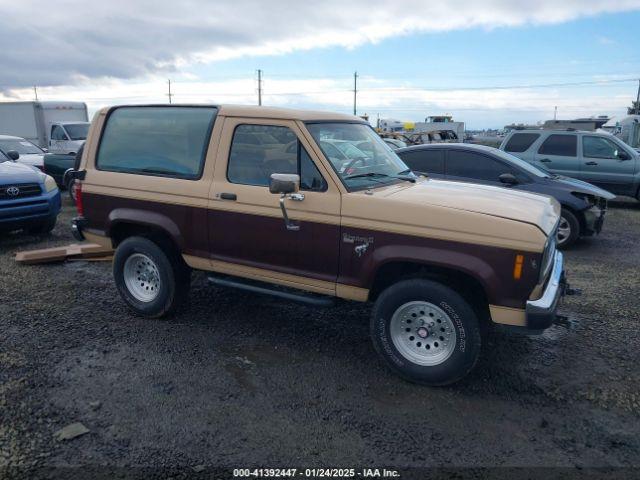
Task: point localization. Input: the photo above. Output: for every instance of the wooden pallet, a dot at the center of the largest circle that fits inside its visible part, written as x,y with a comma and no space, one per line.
75,251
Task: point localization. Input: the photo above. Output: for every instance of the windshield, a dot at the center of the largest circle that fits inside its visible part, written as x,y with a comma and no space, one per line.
77,131
533,170
23,147
358,154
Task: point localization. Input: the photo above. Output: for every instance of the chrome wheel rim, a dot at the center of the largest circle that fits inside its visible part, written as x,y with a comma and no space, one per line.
564,231
423,333
141,277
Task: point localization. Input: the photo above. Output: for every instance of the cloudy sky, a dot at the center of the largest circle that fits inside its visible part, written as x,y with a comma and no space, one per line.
489,63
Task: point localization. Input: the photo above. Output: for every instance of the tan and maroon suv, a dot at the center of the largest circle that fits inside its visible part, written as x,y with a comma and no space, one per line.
310,206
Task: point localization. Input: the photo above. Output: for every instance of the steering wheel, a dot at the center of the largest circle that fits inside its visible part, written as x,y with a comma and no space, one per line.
353,162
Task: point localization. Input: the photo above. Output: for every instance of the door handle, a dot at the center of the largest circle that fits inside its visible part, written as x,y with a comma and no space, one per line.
228,196
545,160
591,163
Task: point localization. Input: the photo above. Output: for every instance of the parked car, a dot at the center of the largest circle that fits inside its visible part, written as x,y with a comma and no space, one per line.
58,166
437,259
394,142
583,205
29,199
61,127
595,157
29,154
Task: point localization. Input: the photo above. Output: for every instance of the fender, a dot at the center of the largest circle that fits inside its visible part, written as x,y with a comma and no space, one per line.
145,218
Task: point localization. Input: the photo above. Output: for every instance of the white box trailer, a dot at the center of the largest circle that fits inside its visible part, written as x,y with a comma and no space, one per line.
61,127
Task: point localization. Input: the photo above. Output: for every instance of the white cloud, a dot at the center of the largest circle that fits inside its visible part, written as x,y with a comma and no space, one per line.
71,40
479,108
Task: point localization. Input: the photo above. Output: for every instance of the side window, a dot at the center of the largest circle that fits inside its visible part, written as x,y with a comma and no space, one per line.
257,151
57,133
427,161
562,145
160,141
520,142
476,166
598,147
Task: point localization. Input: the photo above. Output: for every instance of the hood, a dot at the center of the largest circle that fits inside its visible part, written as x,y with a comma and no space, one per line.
12,173
32,159
541,211
574,185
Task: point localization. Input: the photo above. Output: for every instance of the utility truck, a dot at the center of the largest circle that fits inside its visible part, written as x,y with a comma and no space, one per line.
60,127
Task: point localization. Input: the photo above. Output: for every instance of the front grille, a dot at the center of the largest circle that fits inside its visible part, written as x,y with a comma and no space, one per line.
24,190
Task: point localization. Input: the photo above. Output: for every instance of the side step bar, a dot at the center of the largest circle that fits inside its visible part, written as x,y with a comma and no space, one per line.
309,299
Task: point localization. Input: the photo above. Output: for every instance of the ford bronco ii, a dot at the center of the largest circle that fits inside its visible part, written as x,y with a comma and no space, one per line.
309,206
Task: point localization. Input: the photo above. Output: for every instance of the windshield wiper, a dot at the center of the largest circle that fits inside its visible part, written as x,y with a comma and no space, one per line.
378,174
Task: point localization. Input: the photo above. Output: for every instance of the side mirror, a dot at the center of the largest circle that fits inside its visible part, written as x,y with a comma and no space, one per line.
284,183
287,186
13,155
622,155
508,179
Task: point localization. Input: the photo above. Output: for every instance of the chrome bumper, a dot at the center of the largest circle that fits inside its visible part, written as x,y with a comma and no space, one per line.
541,313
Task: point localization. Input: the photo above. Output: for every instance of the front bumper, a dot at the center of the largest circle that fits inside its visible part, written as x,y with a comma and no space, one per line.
541,313
594,218
29,211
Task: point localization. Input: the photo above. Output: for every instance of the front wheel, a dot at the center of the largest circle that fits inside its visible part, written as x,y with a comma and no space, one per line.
425,332
152,281
568,229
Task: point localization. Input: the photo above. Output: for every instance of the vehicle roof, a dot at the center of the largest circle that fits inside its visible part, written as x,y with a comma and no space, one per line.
10,137
254,111
432,146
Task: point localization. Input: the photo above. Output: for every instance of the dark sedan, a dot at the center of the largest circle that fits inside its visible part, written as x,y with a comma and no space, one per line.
583,204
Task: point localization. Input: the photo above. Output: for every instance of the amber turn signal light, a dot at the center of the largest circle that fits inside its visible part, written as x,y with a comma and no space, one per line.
517,267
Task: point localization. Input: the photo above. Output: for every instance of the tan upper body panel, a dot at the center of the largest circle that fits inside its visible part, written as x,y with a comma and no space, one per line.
455,211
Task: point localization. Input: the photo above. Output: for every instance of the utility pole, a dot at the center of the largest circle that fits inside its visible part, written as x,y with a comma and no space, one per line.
638,99
355,91
35,91
259,87
169,94
555,113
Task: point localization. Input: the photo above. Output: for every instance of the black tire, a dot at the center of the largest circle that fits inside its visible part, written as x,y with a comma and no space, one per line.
174,277
463,320
44,228
70,191
574,226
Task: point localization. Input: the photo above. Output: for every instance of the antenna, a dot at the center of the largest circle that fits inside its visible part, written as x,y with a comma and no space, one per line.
169,94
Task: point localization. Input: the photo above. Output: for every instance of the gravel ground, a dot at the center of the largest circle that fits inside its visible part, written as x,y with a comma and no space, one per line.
237,380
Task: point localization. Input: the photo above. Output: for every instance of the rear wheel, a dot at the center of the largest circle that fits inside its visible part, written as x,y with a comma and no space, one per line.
153,281
568,229
425,332
71,190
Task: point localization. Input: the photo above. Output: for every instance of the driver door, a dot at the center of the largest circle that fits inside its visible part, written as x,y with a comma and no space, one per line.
247,232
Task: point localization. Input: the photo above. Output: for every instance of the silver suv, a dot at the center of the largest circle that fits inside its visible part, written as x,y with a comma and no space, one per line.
595,157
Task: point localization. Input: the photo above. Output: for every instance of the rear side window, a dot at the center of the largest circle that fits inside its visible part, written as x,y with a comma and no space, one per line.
476,166
520,142
427,161
161,141
257,151
562,145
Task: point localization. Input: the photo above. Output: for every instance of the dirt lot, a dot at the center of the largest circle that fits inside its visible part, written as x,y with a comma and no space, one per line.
239,380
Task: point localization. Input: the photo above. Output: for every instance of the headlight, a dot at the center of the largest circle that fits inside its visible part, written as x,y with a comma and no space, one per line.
547,256
590,199
49,183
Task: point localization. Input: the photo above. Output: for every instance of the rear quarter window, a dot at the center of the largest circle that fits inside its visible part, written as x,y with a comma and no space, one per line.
160,141
561,145
520,142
